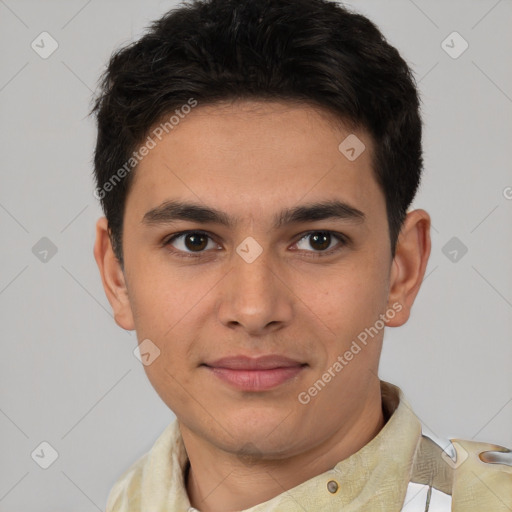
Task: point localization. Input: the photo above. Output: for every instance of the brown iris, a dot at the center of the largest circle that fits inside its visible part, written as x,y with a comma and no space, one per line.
196,241
320,240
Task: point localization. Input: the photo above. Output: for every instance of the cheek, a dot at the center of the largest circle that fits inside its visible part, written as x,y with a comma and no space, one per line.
353,301
159,299
167,376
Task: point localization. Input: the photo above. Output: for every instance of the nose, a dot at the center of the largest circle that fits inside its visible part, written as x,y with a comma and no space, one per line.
255,296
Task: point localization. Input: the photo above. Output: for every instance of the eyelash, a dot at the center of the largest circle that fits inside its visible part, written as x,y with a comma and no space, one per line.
343,239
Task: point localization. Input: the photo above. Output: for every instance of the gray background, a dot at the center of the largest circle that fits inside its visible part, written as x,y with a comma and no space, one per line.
68,375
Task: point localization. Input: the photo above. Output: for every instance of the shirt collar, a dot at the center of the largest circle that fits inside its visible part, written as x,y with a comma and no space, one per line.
373,478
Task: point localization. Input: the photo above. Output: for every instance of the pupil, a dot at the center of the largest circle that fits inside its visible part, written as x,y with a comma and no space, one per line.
317,239
197,241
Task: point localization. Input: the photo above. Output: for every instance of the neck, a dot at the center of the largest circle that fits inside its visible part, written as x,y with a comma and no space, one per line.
219,481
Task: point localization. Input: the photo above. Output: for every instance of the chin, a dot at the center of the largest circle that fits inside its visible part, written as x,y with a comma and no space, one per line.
262,428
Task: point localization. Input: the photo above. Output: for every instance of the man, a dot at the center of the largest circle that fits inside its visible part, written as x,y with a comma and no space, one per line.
255,161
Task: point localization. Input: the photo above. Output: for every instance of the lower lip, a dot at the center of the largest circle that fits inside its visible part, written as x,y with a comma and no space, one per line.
256,380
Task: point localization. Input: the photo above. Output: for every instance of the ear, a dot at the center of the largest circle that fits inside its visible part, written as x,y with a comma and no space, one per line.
113,277
409,264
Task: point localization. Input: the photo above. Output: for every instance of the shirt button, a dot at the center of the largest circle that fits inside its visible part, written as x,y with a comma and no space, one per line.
332,486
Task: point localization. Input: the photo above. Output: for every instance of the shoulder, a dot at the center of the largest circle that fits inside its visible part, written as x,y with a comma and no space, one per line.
482,476
153,470
125,494
476,476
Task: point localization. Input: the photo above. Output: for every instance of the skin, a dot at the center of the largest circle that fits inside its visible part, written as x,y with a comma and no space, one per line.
251,159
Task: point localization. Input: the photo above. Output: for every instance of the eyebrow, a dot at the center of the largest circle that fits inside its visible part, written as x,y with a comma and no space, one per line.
170,211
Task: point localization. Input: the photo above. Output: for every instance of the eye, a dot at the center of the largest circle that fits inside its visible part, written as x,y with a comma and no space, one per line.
190,242
321,242
195,243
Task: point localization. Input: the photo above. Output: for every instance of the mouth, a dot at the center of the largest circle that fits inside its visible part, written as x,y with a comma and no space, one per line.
255,374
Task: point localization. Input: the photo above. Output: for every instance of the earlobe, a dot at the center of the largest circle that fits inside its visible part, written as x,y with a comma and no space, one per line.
112,277
409,265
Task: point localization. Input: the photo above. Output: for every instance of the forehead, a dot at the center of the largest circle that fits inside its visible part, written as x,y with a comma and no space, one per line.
254,156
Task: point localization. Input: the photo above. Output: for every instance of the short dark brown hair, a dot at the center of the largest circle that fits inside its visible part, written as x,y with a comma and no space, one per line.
312,51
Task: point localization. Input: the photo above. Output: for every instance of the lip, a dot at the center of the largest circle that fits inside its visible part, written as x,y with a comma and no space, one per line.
255,373
266,362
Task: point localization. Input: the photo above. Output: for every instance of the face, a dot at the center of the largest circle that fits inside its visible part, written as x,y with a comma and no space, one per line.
264,269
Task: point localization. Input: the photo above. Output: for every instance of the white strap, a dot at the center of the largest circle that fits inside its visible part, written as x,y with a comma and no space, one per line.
416,499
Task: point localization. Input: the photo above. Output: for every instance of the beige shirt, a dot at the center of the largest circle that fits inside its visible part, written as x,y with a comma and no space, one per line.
400,469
